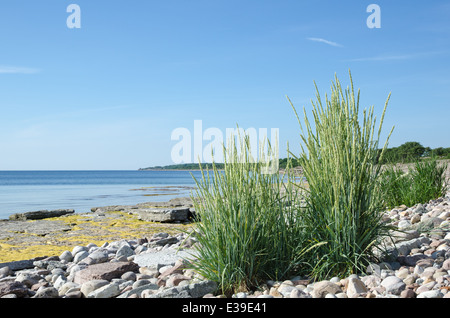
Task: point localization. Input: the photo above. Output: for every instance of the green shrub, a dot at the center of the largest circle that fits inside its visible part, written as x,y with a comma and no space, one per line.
249,227
395,186
407,152
421,183
344,203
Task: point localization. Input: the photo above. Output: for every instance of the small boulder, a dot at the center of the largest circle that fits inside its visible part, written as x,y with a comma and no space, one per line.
321,289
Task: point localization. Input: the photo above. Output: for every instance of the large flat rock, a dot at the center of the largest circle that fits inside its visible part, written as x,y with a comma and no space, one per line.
164,257
164,215
31,229
172,211
106,271
16,288
20,265
38,215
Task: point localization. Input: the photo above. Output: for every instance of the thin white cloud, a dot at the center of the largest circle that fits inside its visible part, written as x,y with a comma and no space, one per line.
17,70
325,41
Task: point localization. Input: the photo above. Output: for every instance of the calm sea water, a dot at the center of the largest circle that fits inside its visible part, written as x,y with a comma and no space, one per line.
24,191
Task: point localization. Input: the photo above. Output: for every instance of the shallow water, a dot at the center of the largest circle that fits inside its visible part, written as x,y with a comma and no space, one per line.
24,191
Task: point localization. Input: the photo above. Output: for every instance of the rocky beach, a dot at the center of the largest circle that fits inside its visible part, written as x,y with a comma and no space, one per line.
150,246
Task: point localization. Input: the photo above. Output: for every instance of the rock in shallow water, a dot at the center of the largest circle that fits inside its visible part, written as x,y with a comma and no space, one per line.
38,215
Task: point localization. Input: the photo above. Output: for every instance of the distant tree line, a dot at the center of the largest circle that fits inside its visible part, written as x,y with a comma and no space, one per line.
408,152
184,166
196,166
412,151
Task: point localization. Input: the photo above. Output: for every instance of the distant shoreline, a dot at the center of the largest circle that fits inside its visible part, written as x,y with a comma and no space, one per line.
162,169
183,167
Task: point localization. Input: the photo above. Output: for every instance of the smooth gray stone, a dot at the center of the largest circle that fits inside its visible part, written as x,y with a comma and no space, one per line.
38,215
164,214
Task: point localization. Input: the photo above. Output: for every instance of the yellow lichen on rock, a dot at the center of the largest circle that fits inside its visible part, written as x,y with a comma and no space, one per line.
78,229
9,253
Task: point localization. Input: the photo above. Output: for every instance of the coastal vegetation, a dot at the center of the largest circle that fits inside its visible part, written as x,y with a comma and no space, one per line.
412,151
339,161
407,152
257,227
206,166
424,181
184,166
248,223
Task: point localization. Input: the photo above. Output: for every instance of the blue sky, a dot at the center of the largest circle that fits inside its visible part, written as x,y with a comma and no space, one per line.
109,94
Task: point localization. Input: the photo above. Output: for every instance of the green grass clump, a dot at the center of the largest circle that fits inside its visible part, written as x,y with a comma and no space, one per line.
424,181
248,223
255,226
344,204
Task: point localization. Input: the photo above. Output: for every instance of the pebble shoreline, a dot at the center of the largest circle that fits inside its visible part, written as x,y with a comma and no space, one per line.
419,267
